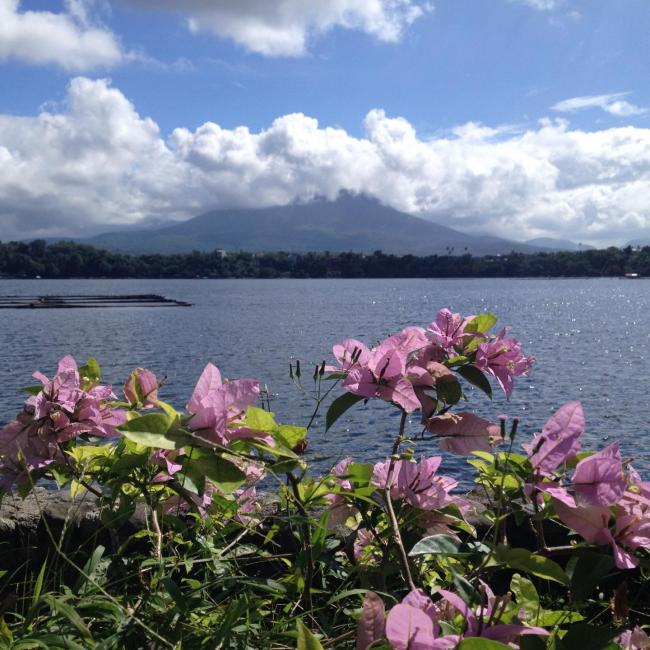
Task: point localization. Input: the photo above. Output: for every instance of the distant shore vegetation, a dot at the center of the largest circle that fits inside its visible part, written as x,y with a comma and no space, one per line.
73,260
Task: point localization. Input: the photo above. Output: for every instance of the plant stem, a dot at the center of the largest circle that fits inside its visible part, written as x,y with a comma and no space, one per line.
306,533
406,569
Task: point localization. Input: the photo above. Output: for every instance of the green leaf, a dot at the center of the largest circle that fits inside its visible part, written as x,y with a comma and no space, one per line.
31,390
61,607
476,377
449,392
90,371
153,430
290,435
339,406
586,568
359,472
481,323
306,640
260,420
116,518
437,545
88,452
38,585
523,560
224,474
174,591
588,635
286,466
479,643
86,575
6,632
463,587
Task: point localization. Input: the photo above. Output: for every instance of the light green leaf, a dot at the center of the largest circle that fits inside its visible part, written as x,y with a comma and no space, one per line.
289,435
38,585
221,472
523,560
153,430
479,643
259,420
306,640
90,371
481,323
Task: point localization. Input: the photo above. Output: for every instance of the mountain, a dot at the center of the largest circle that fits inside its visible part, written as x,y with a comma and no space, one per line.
641,241
350,223
553,244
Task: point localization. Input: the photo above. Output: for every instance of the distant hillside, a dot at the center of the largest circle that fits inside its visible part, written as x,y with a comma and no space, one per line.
551,243
351,223
641,241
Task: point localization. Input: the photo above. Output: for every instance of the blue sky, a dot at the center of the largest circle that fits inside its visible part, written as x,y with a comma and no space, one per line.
515,117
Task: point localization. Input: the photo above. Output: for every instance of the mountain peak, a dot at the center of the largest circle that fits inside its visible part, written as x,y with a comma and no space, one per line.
351,222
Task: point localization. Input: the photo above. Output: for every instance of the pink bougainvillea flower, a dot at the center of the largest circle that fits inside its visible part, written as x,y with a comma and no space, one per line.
218,408
340,510
64,409
592,524
599,479
383,376
463,433
348,353
448,330
635,639
166,458
141,388
484,622
364,549
559,440
417,483
409,340
502,358
372,622
413,625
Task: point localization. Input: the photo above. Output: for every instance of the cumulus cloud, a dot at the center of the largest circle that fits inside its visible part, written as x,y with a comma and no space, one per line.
68,39
614,104
98,163
283,27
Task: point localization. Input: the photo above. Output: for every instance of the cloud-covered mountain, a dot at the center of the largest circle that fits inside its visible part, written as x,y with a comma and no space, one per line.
351,223
94,161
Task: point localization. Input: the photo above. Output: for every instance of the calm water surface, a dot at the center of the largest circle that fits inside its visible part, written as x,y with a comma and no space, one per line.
591,339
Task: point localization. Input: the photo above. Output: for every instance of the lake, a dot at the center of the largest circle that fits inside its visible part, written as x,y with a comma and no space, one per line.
591,339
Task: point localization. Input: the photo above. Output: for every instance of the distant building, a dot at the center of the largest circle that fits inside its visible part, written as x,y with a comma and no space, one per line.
222,253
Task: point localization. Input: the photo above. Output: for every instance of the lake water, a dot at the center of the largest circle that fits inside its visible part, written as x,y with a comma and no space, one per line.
591,339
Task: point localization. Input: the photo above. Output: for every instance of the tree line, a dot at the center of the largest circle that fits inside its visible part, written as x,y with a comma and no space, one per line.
73,260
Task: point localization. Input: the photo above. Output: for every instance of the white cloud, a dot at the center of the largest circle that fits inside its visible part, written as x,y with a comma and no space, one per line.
541,5
67,39
284,27
97,162
614,104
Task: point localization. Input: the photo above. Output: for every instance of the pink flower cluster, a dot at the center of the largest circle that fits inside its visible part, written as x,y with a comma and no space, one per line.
218,408
416,483
408,369
415,622
62,410
604,502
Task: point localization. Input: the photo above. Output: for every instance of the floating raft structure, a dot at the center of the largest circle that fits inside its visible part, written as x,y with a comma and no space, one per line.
89,301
